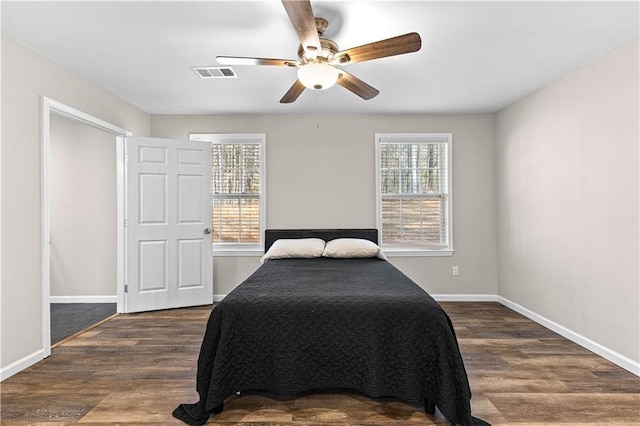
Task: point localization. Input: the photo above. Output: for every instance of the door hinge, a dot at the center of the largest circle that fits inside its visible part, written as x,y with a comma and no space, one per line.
126,223
126,288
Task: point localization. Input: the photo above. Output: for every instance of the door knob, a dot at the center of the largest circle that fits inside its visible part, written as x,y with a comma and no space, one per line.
207,230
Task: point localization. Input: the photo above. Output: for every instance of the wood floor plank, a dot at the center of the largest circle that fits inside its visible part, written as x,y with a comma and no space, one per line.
139,406
134,369
492,384
483,408
582,408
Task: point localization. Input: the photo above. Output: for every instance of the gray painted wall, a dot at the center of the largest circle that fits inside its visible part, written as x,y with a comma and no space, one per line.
325,178
568,201
26,77
82,191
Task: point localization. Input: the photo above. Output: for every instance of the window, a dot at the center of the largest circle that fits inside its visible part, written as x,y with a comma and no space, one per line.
414,192
237,190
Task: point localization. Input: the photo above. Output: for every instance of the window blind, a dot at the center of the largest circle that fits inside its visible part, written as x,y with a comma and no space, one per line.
236,192
413,187
237,189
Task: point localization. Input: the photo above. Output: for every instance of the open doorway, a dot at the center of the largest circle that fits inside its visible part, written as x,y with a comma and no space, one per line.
68,276
82,218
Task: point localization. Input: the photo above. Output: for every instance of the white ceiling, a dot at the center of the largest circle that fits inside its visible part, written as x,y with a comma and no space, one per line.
475,57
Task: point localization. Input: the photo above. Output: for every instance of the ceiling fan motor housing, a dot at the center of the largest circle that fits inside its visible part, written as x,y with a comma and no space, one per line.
328,50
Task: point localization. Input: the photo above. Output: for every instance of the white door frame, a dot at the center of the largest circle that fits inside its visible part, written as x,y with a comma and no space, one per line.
50,106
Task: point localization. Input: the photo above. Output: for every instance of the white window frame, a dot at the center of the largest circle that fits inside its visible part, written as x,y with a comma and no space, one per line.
242,249
400,250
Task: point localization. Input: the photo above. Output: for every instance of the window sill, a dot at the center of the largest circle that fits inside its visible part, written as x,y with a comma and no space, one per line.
405,252
238,253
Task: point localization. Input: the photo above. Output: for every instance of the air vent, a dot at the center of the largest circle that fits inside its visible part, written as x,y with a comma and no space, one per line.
215,72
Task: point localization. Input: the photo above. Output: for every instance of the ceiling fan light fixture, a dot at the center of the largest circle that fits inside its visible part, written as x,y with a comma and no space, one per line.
318,75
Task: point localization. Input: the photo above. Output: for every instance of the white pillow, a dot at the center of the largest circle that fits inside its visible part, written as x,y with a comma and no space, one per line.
300,247
352,247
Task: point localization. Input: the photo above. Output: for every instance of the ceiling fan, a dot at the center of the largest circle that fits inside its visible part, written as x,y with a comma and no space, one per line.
318,56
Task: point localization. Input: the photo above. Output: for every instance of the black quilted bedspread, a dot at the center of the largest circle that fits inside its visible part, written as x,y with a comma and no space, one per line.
297,325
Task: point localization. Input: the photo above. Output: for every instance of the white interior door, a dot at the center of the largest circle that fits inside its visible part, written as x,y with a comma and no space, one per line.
168,224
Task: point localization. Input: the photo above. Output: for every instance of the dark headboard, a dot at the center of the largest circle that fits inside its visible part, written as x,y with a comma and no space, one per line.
271,235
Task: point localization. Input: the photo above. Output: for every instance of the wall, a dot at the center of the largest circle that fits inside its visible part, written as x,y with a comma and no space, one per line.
82,190
26,76
325,178
567,165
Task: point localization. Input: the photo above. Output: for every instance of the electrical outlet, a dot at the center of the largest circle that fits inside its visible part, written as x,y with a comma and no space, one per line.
455,271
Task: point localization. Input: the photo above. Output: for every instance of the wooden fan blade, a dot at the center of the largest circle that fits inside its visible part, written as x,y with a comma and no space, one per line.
357,86
293,93
236,60
399,45
301,17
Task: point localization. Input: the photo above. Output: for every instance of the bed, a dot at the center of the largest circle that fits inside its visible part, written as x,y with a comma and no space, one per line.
330,323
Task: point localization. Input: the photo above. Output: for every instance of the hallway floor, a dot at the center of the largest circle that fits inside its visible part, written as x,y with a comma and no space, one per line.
70,318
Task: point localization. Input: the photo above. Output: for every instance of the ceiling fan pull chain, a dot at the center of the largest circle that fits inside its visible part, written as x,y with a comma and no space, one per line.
317,118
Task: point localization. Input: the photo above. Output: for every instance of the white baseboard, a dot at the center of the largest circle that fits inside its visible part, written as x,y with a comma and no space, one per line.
218,297
21,364
611,355
465,297
83,299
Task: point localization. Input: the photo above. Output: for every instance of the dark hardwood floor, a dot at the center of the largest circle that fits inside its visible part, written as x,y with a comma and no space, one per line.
136,368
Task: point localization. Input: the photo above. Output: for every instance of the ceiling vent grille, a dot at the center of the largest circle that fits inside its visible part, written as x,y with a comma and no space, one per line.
215,72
